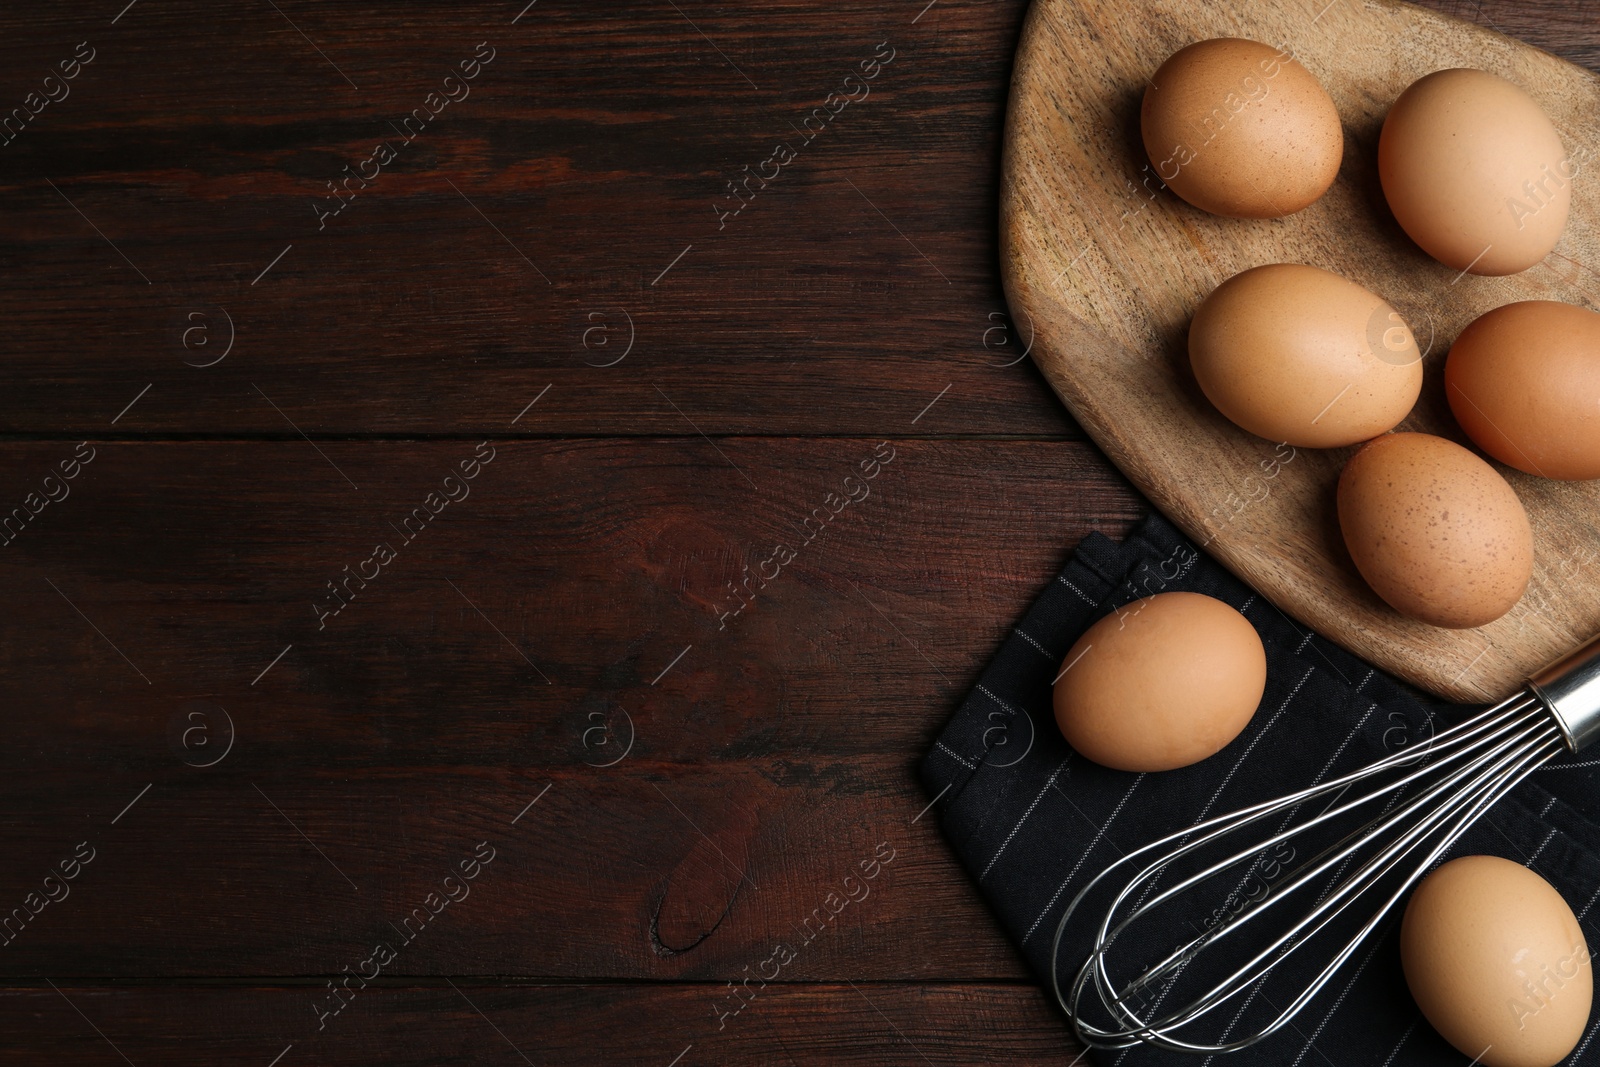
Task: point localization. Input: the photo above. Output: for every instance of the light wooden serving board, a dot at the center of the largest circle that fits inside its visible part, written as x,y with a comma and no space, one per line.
1105,271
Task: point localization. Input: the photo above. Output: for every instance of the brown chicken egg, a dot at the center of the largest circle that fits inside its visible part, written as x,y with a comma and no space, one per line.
1524,382
1475,172
1435,530
1497,962
1300,355
1162,683
1238,128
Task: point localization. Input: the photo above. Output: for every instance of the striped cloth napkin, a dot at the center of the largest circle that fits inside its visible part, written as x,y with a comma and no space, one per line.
1033,822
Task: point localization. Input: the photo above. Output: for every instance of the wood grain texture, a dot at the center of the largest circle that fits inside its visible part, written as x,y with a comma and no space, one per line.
1111,271
523,238
572,602
411,728
859,1023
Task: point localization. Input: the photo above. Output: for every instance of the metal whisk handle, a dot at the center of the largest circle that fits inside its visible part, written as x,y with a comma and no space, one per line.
1569,689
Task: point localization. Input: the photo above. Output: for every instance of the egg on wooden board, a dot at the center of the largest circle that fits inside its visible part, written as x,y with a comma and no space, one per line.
1435,531
1302,356
1161,683
1497,962
1524,382
1475,172
1238,128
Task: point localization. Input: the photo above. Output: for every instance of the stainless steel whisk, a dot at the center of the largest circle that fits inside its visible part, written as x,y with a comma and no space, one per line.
1454,777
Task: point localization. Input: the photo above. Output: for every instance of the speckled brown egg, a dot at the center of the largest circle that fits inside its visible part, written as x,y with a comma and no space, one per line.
1435,530
1238,128
1475,172
1497,962
1161,683
1299,355
1524,382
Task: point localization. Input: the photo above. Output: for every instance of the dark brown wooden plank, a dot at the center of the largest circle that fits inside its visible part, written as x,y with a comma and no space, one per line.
474,1023
648,870
849,294
197,142
1566,30
412,727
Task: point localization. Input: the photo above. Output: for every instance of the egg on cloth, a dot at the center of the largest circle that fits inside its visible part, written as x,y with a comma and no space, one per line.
1497,962
1161,683
1435,531
1524,382
1239,128
1302,356
1475,172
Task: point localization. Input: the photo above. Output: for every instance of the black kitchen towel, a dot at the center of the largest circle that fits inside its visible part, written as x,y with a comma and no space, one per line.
1033,822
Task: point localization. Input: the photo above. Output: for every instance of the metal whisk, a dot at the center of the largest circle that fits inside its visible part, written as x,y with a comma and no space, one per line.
1429,797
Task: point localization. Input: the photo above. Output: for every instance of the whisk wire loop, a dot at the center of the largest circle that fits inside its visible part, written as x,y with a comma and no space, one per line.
1458,774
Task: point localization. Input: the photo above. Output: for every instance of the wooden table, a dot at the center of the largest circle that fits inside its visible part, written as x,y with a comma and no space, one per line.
399,660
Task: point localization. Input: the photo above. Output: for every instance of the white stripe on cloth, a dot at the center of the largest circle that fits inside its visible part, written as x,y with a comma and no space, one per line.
1547,839
1326,767
1045,652
958,757
1087,599
1150,886
1403,1039
1074,873
1007,708
1331,1011
1014,829
1577,1057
